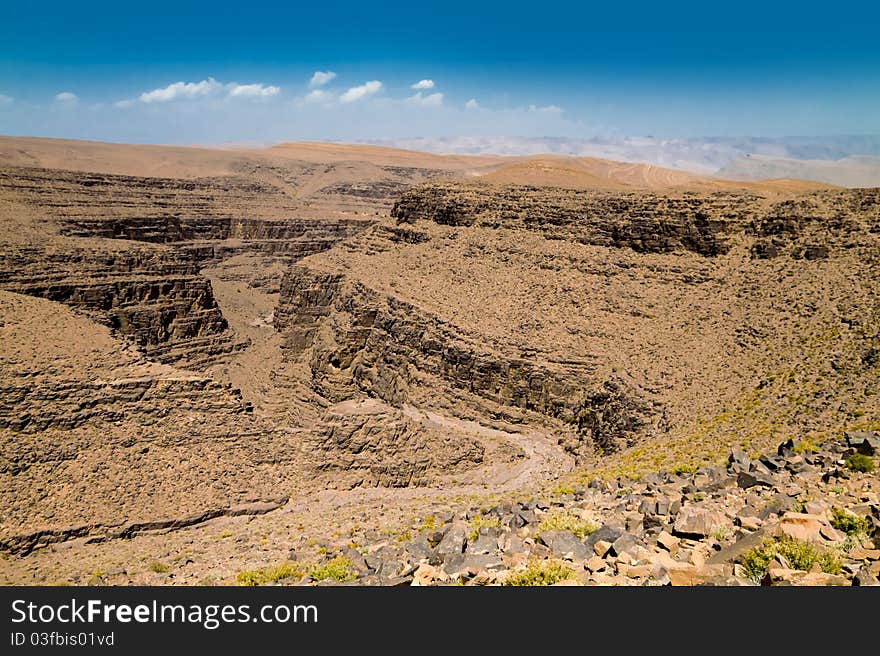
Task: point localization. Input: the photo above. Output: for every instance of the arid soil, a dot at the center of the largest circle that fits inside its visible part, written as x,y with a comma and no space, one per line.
216,361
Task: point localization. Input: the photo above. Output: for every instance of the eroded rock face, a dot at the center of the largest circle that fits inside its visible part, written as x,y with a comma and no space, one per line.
641,221
612,316
357,341
96,439
367,443
154,295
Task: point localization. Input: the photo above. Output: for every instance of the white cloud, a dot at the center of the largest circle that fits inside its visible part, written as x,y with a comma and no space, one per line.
320,78
472,104
203,89
433,99
319,96
252,90
5,100
181,90
547,109
66,97
362,91
423,84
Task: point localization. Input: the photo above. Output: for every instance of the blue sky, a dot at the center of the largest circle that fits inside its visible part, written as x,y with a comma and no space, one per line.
188,72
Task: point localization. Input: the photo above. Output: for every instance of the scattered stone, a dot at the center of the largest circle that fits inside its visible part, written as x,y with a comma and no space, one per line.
602,547
865,577
668,542
779,576
428,575
865,442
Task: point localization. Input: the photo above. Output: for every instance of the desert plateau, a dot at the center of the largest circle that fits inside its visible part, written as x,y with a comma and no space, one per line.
323,363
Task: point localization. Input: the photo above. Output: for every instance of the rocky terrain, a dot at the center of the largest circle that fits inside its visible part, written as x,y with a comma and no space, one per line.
318,362
800,516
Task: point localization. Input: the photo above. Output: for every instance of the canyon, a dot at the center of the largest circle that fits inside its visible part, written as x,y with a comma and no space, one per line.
220,359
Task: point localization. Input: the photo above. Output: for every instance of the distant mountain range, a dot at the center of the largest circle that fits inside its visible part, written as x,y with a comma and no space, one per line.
851,161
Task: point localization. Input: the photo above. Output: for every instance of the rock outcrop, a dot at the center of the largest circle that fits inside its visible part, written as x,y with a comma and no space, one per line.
368,443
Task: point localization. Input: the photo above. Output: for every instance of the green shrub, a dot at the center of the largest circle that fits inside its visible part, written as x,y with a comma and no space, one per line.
564,522
538,572
338,569
800,555
288,570
847,522
805,446
159,568
860,463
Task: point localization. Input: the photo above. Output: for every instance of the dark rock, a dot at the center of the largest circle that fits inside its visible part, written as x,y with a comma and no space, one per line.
733,552
718,484
865,577
760,468
469,565
864,442
625,543
834,472
745,480
486,542
786,448
454,540
357,561
608,533
779,504
419,548
739,461
772,463
653,522
562,543
436,536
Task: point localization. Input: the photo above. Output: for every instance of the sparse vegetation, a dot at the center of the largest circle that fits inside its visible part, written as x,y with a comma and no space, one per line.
159,567
800,555
478,521
563,489
564,522
720,533
860,463
848,522
339,569
805,446
429,523
540,572
263,575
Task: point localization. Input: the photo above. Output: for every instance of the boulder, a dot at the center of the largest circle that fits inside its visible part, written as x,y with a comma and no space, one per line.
864,442
565,544
801,526
453,540
745,480
781,576
695,522
428,575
